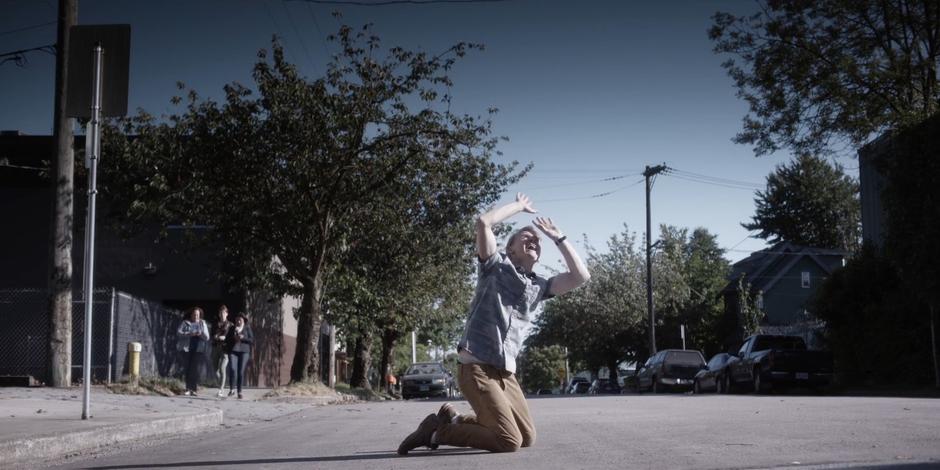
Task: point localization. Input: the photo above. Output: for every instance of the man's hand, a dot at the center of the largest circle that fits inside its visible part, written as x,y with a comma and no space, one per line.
526,203
548,227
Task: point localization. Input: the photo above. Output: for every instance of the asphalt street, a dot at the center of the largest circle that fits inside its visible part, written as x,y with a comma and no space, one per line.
673,431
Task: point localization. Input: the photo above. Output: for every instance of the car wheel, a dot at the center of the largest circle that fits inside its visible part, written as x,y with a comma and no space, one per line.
696,388
759,386
655,387
729,383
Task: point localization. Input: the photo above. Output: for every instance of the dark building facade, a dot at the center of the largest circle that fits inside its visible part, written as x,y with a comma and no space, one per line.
159,271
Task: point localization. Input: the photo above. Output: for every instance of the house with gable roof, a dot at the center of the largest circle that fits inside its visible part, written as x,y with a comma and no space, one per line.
782,280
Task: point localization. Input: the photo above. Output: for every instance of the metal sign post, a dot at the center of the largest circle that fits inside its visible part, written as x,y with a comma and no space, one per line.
92,149
110,46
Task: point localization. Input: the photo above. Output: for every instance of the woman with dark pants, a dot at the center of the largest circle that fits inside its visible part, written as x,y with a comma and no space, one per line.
238,345
193,334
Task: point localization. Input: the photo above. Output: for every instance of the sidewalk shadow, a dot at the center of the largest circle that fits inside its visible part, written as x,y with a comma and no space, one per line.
371,455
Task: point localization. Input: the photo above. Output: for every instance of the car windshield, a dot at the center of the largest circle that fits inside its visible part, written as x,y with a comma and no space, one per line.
421,369
779,342
692,358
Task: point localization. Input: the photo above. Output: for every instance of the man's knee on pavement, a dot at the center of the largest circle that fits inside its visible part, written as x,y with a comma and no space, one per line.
528,440
509,442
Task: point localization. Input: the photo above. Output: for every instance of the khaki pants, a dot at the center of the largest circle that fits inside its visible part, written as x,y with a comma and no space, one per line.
502,422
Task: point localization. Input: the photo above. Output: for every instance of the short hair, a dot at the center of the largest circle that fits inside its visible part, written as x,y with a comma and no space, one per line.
241,315
512,238
192,312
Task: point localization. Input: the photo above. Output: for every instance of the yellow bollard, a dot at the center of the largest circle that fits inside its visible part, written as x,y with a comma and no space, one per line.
133,366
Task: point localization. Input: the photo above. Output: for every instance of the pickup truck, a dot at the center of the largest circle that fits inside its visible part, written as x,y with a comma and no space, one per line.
768,361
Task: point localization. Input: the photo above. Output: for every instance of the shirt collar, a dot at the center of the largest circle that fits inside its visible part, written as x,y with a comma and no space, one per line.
529,274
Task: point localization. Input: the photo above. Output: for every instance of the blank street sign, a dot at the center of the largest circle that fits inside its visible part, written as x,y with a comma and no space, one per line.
115,40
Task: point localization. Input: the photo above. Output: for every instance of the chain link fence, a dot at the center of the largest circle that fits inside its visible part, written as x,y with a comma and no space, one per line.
117,318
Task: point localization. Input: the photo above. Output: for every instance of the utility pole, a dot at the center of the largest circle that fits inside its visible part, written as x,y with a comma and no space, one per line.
60,248
649,173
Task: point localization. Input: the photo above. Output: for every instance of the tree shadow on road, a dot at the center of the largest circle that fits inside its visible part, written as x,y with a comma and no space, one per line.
370,455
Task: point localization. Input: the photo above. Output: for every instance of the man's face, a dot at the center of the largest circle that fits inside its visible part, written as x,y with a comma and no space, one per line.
527,244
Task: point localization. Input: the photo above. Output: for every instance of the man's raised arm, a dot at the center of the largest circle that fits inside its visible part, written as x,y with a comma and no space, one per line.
577,273
486,240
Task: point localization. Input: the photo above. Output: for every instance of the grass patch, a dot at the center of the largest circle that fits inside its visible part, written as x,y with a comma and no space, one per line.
313,389
342,392
164,386
363,394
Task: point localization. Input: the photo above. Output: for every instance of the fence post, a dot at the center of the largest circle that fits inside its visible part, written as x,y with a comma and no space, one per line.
111,333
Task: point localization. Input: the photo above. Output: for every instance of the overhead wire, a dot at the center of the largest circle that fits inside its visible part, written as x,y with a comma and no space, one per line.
593,196
601,180
19,57
712,180
316,24
303,44
27,28
395,2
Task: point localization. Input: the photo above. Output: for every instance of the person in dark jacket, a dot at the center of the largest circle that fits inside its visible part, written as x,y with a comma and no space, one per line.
218,339
238,346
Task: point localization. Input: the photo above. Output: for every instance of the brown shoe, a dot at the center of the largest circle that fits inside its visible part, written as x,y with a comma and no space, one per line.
421,436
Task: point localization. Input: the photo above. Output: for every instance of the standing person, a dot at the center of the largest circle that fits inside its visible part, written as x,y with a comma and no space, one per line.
218,338
193,340
238,343
508,296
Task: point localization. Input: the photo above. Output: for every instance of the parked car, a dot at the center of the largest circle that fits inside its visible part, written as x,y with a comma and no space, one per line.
670,369
766,362
579,388
573,384
603,387
714,377
427,379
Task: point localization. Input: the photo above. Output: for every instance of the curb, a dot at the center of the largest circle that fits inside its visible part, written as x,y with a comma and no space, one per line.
33,450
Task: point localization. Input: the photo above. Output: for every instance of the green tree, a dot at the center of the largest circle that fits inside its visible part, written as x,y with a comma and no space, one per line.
872,320
284,177
542,367
809,202
912,216
751,315
604,322
819,74
699,274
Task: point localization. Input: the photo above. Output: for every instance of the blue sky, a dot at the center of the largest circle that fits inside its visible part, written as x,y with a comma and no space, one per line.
586,90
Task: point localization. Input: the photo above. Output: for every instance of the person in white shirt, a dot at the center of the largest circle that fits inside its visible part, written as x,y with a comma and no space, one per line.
193,337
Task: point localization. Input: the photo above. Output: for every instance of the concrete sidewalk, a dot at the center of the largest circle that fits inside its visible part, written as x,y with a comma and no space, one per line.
40,425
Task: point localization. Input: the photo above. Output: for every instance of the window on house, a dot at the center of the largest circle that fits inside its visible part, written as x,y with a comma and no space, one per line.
805,279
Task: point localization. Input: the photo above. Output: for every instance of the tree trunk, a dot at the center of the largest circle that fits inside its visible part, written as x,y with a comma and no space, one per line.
614,373
60,256
306,365
389,336
362,362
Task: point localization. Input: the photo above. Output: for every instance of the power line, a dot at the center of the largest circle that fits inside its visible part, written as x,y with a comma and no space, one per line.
593,196
27,28
19,57
716,179
611,178
744,186
300,38
316,24
394,2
